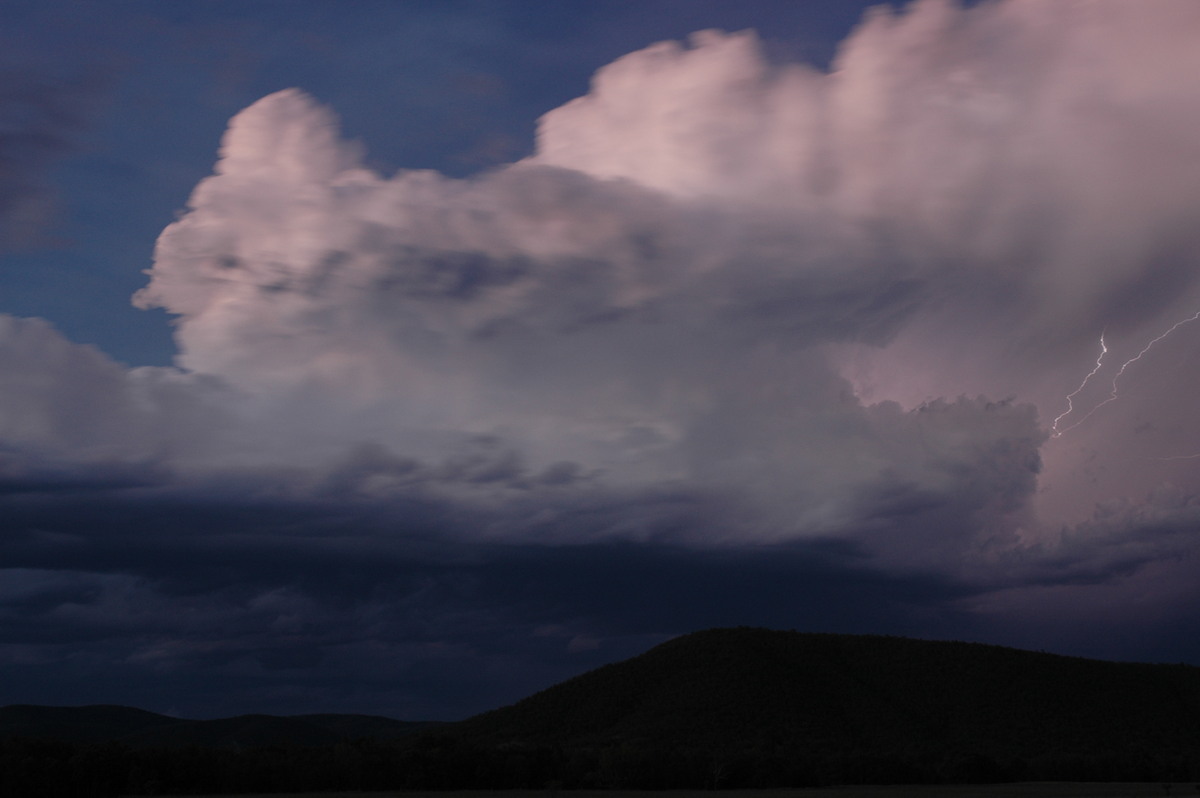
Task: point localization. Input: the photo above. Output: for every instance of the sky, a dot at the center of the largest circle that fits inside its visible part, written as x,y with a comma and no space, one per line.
406,358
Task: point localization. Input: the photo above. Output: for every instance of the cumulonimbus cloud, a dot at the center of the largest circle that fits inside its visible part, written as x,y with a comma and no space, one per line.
739,342
720,276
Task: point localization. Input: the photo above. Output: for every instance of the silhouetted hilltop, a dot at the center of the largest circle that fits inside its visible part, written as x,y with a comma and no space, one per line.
760,694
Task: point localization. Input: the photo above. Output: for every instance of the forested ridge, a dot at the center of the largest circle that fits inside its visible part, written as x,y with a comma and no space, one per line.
721,708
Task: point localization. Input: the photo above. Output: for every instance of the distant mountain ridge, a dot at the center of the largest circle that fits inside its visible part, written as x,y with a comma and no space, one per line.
142,729
720,708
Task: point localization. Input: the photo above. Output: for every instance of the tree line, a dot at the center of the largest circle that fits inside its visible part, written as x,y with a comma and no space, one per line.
434,761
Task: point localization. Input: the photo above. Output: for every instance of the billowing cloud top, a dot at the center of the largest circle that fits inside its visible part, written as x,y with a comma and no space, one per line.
712,265
725,301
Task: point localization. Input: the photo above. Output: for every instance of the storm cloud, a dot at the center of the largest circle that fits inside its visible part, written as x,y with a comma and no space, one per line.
810,343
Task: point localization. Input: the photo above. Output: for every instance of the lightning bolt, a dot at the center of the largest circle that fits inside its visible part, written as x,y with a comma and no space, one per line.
1071,396
1112,396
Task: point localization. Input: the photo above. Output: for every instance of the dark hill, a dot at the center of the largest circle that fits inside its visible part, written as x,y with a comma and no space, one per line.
912,704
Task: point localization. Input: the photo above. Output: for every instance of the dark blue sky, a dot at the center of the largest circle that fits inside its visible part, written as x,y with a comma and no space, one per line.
418,414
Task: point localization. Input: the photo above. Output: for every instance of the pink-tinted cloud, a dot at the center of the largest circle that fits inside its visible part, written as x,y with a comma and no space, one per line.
727,306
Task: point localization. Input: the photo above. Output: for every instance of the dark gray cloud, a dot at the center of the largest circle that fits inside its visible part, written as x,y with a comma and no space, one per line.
41,116
152,592
205,602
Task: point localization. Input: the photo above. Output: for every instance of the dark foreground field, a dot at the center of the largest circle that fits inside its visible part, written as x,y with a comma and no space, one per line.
1022,790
